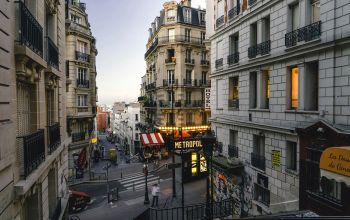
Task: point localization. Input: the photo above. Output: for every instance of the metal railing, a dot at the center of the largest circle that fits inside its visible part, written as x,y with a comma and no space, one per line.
252,2
307,33
150,104
151,48
189,82
234,12
79,136
219,63
204,83
57,212
165,104
233,103
232,151
30,31
205,62
167,82
32,151
52,53
189,61
194,103
151,86
83,83
258,161
170,61
233,58
262,49
220,21
54,134
180,39
82,56
261,194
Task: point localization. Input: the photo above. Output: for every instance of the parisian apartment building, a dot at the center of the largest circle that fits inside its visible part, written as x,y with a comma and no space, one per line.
81,90
34,141
280,96
177,71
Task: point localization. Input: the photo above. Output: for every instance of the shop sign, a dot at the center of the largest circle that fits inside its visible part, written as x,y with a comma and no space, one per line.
187,144
276,159
207,98
336,160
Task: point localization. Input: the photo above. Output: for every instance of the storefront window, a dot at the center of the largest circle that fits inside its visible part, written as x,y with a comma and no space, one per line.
203,164
194,163
330,188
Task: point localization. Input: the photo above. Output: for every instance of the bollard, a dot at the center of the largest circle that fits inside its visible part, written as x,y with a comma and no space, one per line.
133,186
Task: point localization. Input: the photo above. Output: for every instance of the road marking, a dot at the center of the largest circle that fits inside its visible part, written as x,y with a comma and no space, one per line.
138,187
134,201
130,183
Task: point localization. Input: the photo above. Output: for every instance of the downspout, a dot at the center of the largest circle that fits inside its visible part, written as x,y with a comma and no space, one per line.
334,51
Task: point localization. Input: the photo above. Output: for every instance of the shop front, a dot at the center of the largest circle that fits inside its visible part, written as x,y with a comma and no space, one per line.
195,165
153,147
324,170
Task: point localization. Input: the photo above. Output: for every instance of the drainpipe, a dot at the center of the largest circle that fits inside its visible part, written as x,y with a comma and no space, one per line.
334,51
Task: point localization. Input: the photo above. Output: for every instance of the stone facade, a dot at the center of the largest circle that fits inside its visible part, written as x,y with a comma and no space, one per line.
257,104
177,61
81,73
33,158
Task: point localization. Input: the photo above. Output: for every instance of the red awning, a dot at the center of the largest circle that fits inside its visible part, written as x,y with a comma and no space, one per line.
77,193
152,139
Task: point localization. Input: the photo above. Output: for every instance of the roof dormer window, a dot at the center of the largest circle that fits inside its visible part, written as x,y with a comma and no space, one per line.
187,15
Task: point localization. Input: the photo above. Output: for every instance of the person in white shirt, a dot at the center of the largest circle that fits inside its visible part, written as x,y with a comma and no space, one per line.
155,194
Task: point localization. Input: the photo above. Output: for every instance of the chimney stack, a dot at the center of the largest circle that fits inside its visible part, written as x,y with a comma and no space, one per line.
186,3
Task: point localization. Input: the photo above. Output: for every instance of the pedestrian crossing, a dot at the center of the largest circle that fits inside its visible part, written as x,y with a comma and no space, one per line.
136,181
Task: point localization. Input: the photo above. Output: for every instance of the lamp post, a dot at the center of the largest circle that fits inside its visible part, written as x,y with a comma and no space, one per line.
145,171
208,141
172,124
108,165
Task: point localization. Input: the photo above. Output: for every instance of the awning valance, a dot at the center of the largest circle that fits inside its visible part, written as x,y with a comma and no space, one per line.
152,139
335,164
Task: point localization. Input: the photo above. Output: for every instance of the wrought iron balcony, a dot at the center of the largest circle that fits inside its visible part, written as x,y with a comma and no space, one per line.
170,61
205,83
54,137
233,103
151,86
79,136
169,83
83,57
252,2
262,49
83,83
194,103
150,104
261,194
307,33
205,62
232,151
30,31
220,21
32,151
180,39
189,61
234,12
52,53
258,161
219,63
165,104
152,47
233,58
189,82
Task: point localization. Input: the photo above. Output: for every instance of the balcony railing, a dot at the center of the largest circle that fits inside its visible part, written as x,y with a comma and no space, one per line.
262,49
30,31
232,151
54,137
189,82
165,104
220,21
83,57
80,136
189,61
252,2
169,83
57,212
151,86
83,83
205,83
52,53
194,103
219,63
81,5
234,12
180,39
307,33
170,61
261,194
32,151
233,58
258,161
205,62
233,103
150,104
152,47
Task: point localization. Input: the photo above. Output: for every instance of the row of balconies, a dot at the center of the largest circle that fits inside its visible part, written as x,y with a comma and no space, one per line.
181,104
81,110
188,61
32,148
185,83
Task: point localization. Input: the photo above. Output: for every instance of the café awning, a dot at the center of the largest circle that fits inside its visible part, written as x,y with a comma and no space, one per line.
152,139
335,164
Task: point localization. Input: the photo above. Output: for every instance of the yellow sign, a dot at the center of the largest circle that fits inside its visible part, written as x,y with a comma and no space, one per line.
276,158
336,160
187,144
93,140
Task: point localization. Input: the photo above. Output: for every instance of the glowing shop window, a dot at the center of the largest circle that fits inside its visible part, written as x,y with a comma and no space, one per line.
194,163
203,164
294,88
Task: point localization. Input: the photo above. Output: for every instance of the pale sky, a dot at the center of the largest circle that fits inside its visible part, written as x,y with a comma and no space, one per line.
121,30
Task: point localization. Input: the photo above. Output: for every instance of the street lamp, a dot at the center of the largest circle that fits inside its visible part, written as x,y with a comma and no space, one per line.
145,171
208,142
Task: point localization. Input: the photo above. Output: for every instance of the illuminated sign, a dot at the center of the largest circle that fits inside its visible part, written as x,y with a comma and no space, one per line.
187,144
207,98
336,160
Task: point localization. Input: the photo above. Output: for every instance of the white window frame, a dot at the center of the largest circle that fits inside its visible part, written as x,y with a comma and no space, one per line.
187,15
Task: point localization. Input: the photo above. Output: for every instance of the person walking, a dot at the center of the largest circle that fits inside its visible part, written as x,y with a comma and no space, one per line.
155,194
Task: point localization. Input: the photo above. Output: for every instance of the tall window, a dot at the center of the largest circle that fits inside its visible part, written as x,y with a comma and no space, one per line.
171,13
202,37
220,8
189,118
136,117
202,18
188,54
315,10
82,47
188,75
295,16
233,44
233,146
187,15
294,88
266,29
234,92
171,96
265,87
291,156
204,55
171,55
204,77
253,34
171,76
188,97
171,34
259,145
253,90
75,19
188,35
219,50
310,92
82,76
170,119
82,100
